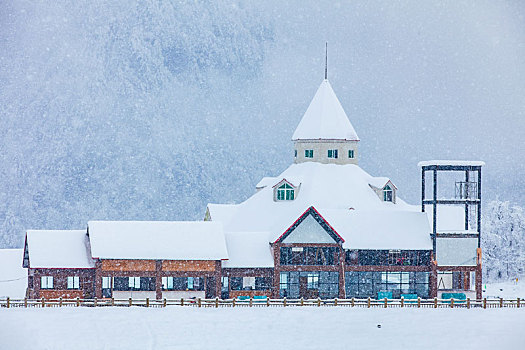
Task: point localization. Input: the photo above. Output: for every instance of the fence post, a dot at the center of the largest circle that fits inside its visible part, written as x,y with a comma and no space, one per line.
318,301
418,302
284,302
181,301
199,302
147,302
78,301
60,301
130,301
335,302
468,303
435,303
8,302
500,302
353,302
95,302
302,301
402,301
164,302
25,302
484,303
267,301
216,301
451,303
112,301
43,302
251,301
368,302
518,304
386,301
233,302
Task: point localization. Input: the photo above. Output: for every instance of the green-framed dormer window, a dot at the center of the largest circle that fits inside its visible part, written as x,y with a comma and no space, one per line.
285,192
350,153
308,153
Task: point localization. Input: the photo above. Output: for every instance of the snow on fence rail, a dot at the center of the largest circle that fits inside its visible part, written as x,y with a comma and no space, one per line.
266,302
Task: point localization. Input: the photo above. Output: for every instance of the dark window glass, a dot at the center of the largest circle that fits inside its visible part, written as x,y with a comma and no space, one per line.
236,283
147,283
263,283
121,283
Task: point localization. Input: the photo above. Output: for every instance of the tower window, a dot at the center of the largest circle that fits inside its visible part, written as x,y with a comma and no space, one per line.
285,193
295,153
350,153
308,153
387,194
332,153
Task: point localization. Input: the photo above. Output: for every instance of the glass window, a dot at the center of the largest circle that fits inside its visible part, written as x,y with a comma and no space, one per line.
285,192
332,153
263,283
313,280
134,282
73,282
295,154
308,153
351,153
236,283
248,283
106,282
46,282
387,194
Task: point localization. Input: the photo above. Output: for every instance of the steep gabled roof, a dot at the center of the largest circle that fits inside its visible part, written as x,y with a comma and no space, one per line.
58,249
325,118
320,220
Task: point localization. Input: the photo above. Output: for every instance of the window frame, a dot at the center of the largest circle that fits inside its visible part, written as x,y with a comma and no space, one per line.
285,192
351,154
73,282
388,194
309,153
333,153
48,284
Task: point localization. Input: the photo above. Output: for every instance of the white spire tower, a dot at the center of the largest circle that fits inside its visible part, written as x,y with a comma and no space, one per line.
325,134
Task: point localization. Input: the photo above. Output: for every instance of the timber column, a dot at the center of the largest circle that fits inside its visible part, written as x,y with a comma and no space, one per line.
97,284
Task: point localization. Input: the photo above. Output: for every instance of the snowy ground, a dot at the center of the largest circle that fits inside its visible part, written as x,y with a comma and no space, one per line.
261,328
506,290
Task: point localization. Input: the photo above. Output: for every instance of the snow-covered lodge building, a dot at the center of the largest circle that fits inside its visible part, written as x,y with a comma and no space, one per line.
322,228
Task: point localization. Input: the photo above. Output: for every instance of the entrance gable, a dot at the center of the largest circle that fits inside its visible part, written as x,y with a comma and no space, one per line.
311,227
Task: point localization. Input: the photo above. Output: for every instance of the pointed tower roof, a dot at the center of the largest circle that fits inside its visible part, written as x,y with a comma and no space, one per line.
325,118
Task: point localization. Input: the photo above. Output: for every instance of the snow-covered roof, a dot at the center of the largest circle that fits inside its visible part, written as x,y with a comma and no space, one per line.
380,182
221,212
59,249
13,277
325,118
324,186
380,229
451,163
168,240
248,249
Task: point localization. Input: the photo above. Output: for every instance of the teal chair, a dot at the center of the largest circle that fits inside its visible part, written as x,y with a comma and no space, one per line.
458,297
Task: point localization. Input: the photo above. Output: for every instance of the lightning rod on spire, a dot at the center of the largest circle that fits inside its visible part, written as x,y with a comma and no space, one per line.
326,62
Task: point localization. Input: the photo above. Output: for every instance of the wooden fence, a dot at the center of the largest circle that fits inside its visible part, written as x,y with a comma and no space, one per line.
265,302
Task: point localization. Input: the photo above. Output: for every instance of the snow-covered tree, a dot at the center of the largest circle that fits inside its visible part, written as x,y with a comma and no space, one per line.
503,241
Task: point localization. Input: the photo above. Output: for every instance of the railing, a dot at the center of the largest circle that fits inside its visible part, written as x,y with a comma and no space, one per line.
266,302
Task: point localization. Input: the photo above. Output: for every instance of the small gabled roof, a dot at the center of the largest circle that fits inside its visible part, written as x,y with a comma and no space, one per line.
58,249
166,240
380,182
315,214
325,118
282,182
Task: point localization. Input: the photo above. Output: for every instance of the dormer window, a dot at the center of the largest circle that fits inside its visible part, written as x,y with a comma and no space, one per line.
308,153
295,154
285,193
350,153
384,188
388,194
332,153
